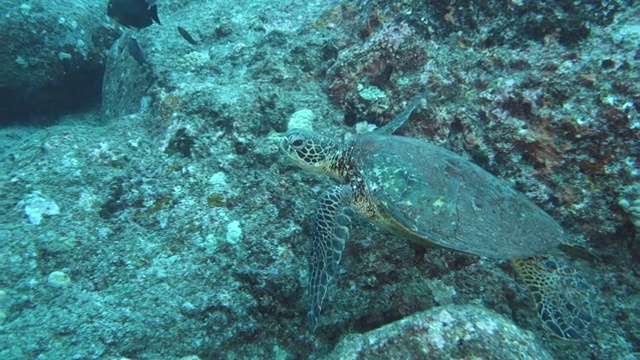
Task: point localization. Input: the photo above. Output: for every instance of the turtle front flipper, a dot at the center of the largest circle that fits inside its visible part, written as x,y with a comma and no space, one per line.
330,233
560,293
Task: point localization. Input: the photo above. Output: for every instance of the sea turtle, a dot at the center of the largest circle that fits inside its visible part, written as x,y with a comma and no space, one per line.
430,195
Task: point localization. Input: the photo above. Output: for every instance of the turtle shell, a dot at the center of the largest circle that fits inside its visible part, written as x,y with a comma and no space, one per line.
441,198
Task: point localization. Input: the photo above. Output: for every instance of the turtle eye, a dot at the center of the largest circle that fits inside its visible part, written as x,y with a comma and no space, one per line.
297,143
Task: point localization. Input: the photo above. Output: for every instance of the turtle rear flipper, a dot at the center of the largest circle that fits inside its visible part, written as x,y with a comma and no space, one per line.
561,295
330,233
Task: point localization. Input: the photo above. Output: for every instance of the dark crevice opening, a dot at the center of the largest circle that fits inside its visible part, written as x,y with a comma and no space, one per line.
79,91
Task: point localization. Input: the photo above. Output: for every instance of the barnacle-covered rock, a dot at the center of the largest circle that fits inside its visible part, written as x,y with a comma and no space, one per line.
631,205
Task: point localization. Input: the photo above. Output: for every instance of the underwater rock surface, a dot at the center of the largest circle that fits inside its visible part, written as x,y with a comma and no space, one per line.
444,333
166,223
52,57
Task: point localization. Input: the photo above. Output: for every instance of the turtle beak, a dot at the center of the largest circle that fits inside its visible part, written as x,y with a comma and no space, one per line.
285,147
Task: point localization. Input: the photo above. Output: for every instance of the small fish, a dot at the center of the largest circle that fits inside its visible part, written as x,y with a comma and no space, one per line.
186,36
136,51
133,13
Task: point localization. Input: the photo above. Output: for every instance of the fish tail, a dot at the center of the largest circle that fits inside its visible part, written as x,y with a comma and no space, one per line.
153,13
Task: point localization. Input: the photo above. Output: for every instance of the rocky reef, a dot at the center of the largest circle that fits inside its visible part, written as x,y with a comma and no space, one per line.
152,215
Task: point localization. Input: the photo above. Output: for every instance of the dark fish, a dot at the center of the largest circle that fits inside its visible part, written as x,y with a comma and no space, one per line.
136,51
186,36
133,13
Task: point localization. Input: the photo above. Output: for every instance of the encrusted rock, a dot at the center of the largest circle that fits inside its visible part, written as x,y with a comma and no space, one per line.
51,55
447,332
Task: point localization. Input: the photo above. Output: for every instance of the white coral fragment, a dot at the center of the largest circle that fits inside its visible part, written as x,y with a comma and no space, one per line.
36,207
632,208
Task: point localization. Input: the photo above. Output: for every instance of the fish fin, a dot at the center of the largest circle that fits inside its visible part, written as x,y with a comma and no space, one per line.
579,252
153,12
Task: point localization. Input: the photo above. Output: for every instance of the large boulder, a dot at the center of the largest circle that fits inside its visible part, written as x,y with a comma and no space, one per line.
447,332
52,56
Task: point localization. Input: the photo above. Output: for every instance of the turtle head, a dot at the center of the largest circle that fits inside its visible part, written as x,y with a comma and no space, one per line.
311,151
